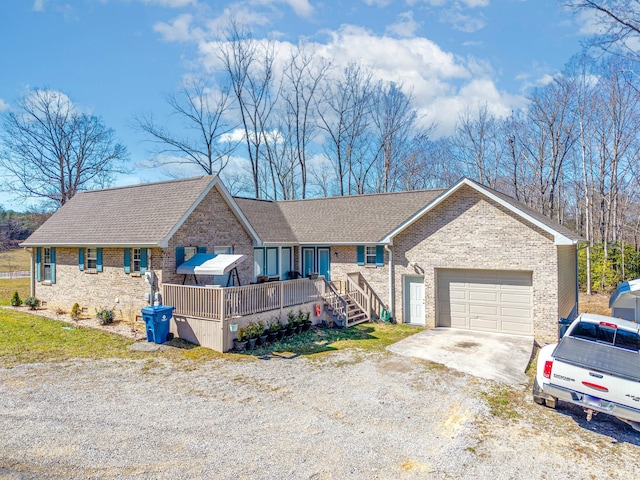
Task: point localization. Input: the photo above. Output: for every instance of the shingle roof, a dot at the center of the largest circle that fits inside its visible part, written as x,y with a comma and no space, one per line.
352,219
147,214
135,215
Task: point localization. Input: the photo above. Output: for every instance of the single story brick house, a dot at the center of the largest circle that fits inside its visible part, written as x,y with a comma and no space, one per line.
465,257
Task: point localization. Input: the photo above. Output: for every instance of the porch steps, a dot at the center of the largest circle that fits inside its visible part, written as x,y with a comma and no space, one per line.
354,314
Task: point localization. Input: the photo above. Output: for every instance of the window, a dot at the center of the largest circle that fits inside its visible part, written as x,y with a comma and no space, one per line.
272,261
46,264
135,264
189,252
265,261
92,258
370,255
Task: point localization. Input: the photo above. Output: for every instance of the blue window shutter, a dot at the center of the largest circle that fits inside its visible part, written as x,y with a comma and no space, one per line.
179,256
38,264
81,258
127,260
360,254
202,249
53,264
379,255
98,259
143,260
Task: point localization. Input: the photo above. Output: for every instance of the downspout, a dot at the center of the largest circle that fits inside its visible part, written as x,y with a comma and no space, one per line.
32,273
392,297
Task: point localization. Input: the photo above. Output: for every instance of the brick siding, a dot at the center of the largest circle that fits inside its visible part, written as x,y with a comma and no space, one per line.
211,224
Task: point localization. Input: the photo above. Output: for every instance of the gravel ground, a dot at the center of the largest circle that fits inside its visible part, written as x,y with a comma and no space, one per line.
349,415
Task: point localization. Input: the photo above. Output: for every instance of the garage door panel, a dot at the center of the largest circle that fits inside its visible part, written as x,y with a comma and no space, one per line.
488,300
458,295
459,321
517,328
478,296
483,324
509,297
523,313
483,310
462,308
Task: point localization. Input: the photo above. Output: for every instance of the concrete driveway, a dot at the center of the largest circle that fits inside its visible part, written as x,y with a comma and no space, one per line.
494,356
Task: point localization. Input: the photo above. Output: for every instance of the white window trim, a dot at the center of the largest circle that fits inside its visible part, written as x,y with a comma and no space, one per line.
370,258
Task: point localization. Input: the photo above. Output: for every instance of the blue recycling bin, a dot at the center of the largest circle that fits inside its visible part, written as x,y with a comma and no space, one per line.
158,322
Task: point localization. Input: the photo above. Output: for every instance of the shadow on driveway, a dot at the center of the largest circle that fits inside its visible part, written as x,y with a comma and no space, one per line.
503,358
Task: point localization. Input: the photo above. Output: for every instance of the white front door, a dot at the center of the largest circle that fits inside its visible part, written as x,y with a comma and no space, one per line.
414,300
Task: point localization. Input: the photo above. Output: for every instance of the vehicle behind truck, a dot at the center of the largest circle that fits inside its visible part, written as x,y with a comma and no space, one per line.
595,365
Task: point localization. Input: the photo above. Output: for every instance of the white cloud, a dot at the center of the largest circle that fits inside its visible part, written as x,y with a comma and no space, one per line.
377,3
441,3
3,105
406,26
302,8
462,21
442,84
38,6
170,3
179,30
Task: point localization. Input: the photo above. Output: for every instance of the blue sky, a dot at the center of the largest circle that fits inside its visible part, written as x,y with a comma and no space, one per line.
119,58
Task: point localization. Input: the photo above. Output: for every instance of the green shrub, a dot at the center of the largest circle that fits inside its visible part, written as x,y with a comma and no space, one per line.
75,311
105,315
32,302
242,334
15,300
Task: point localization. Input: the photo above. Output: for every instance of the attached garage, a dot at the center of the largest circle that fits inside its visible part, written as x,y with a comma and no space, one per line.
488,300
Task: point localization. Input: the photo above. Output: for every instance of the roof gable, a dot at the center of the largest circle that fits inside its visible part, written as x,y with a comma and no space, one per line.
561,234
142,215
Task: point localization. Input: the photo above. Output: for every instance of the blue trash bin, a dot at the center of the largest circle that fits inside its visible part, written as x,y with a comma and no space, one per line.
158,322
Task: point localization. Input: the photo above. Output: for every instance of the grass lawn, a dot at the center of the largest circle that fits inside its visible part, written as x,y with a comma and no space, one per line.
10,285
14,260
365,336
27,338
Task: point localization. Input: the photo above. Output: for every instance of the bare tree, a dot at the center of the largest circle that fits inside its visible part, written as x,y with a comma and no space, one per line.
345,115
303,77
551,139
476,142
52,151
202,111
620,23
249,66
394,121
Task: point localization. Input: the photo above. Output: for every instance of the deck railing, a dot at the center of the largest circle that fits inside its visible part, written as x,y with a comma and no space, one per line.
377,305
359,296
192,300
210,301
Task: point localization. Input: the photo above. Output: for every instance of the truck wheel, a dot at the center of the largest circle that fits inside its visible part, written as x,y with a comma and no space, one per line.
538,400
551,402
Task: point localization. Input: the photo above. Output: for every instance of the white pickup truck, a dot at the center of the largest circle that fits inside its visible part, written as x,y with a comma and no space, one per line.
595,365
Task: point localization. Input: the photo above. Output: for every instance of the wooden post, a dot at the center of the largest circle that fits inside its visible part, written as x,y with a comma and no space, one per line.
221,308
281,296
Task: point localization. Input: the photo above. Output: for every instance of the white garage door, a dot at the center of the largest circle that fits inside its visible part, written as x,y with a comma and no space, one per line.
489,300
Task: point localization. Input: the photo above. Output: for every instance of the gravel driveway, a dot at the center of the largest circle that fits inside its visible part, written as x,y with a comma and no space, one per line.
349,415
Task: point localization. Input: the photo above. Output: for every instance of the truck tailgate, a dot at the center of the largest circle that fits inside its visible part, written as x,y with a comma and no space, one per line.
600,357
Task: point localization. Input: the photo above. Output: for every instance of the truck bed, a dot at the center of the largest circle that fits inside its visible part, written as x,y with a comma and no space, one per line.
598,356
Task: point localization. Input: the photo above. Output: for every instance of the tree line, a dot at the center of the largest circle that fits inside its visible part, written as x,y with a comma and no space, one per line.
306,127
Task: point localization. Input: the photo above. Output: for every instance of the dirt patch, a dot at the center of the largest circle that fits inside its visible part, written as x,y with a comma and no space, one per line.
596,303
